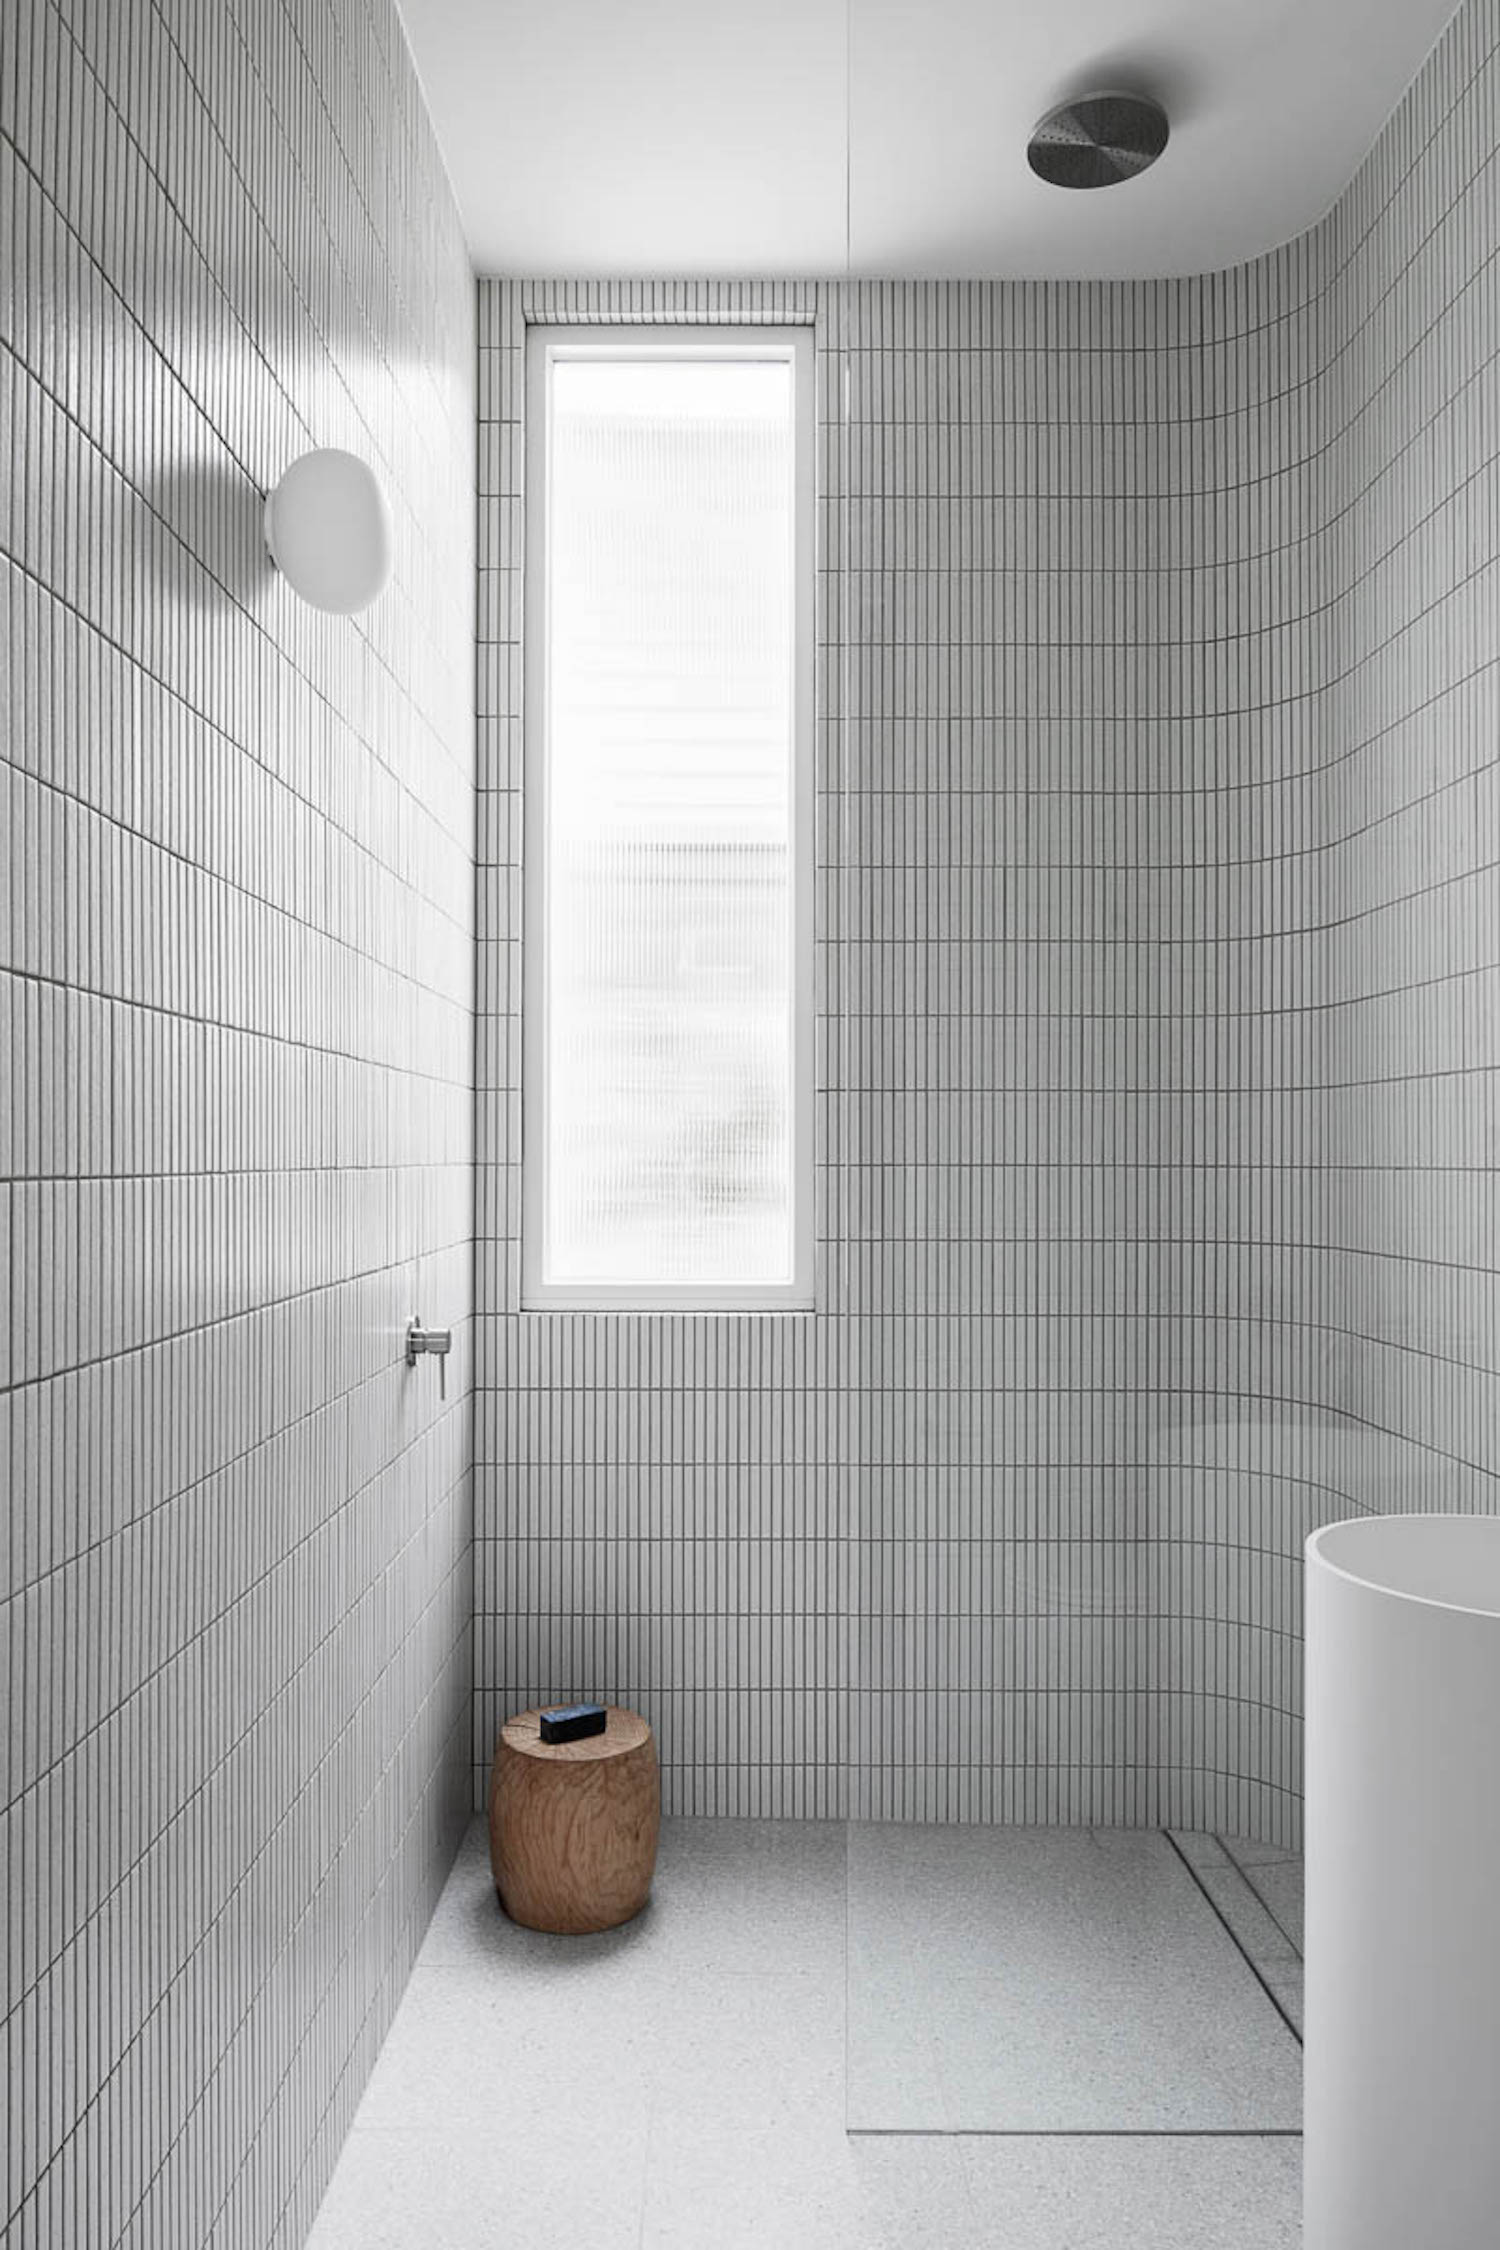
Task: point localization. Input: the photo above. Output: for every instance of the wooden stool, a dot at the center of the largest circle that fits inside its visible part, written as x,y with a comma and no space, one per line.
573,1824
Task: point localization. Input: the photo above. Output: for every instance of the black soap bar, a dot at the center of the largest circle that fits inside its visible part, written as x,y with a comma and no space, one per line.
572,1724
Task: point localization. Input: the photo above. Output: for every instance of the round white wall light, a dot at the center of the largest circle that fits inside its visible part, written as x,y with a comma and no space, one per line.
329,530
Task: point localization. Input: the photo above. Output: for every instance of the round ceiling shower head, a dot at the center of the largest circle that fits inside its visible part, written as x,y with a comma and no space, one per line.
1097,140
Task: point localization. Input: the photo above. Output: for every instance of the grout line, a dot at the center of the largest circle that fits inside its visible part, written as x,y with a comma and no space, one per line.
1246,1876
1073,2133
1064,2132
1246,1956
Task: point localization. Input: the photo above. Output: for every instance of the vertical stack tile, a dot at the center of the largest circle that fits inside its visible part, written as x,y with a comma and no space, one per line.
236,1122
662,1517
1157,957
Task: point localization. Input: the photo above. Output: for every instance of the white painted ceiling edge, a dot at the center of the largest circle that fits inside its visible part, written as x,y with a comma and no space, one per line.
669,138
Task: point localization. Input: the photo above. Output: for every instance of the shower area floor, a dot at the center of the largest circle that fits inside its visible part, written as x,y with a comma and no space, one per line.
879,2039
1054,1980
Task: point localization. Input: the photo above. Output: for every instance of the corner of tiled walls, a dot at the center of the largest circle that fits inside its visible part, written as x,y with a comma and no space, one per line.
1160,951
1159,971
236,1132
1082,673
956,1547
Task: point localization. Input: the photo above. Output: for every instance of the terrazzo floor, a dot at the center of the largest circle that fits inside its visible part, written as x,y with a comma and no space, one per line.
702,2052
1046,1980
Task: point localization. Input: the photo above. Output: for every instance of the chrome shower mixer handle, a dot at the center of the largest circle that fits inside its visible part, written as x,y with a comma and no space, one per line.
439,1340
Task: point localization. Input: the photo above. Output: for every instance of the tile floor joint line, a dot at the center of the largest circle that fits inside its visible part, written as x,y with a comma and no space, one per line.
1125,2012
1246,1875
721,2116
1250,1962
1073,2132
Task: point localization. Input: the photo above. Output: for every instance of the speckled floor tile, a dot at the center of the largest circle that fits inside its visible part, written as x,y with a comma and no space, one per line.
1285,1982
790,2190
1259,1936
1068,1983
709,2042
516,2185
736,1895
1278,1885
1247,1851
1198,1849
1160,2193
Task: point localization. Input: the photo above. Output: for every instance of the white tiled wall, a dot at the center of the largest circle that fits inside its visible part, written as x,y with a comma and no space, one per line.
1080,683
1159,969
1373,1115
1158,957
236,1117
1409,771
662,1513
952,1536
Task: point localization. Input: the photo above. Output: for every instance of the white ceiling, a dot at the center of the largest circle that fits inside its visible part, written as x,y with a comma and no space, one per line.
810,137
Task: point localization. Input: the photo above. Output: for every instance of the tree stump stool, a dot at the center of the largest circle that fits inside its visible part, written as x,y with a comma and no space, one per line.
573,1824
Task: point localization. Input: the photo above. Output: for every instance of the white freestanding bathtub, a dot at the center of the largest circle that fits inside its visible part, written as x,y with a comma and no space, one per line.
1402,2061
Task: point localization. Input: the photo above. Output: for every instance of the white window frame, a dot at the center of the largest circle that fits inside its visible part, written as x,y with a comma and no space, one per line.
545,348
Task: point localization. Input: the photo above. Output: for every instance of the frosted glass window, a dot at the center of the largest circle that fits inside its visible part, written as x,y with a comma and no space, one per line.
667,1148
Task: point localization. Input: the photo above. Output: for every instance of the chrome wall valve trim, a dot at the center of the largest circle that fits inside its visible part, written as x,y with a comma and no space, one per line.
438,1340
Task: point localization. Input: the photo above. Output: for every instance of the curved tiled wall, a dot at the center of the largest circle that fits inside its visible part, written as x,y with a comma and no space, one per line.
1110,532
1160,941
1406,966
1158,1202
1376,1282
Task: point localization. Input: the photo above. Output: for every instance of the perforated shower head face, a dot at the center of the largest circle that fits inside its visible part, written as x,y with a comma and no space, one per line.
1097,140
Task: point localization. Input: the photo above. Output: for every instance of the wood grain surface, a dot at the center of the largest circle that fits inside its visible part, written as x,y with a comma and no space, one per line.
573,1825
